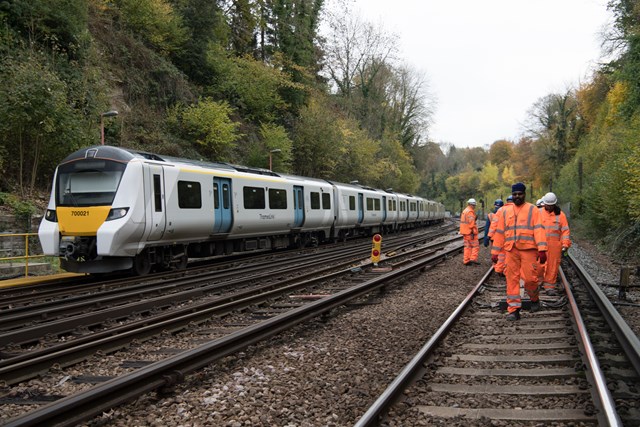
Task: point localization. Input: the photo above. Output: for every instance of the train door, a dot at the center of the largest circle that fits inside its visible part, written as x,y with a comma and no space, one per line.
298,206
158,219
360,208
384,208
223,214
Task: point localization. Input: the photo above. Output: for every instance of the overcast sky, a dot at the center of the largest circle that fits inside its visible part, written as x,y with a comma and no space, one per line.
487,62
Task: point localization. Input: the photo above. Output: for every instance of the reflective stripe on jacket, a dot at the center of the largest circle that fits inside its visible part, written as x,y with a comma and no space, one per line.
556,227
468,221
519,227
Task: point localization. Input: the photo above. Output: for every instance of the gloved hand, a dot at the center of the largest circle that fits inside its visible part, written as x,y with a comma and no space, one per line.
472,236
494,259
565,251
542,256
486,243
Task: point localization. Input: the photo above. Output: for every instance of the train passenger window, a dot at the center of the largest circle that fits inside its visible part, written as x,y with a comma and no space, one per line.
326,201
369,204
352,203
189,196
394,205
253,198
157,193
277,198
376,203
315,200
412,206
216,202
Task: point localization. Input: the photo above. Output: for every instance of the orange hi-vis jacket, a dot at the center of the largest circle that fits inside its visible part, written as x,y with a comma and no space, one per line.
493,223
556,227
468,221
519,227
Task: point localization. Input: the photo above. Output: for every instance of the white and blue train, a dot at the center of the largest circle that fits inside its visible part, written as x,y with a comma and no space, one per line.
115,209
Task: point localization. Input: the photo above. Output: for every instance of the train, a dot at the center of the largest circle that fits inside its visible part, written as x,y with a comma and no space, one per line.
115,209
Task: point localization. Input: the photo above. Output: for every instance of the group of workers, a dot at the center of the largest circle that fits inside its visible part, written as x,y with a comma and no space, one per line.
528,242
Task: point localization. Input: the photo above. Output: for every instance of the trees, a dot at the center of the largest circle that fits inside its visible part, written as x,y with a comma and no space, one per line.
38,119
208,124
557,125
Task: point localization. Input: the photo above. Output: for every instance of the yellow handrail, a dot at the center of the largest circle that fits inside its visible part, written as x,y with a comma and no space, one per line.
26,255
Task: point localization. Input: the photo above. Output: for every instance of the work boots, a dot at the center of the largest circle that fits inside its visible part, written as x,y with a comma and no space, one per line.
512,317
535,306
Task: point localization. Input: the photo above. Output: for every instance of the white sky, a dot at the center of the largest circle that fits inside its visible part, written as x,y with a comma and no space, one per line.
488,61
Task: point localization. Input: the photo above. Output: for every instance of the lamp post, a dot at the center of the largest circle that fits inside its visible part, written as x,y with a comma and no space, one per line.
277,150
111,113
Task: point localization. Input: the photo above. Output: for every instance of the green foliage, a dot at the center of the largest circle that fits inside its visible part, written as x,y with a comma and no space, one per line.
22,209
632,190
271,137
396,168
317,140
253,88
501,152
489,181
155,21
58,24
207,30
357,159
37,116
243,26
209,125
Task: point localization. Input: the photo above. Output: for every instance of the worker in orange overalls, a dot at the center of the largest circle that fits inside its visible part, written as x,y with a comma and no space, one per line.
558,240
469,231
521,234
492,222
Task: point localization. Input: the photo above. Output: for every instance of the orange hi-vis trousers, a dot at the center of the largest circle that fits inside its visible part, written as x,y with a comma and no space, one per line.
521,263
554,256
499,266
471,248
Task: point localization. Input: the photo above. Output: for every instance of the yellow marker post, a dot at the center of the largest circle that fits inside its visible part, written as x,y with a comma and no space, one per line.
376,251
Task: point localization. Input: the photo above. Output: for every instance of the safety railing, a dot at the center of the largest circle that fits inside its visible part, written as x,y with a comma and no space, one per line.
28,254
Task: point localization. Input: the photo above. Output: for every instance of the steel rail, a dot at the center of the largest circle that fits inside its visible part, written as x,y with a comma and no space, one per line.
119,305
627,338
603,396
28,365
412,370
74,409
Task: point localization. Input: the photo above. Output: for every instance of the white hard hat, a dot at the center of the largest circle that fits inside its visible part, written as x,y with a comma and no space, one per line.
471,201
539,202
549,199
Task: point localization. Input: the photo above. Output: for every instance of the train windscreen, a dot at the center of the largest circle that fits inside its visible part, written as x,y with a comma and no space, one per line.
89,182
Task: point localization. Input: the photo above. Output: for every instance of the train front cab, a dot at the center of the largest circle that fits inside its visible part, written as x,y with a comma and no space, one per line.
89,210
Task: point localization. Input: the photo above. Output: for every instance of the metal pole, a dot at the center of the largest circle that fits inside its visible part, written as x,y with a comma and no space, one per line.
26,259
101,130
270,160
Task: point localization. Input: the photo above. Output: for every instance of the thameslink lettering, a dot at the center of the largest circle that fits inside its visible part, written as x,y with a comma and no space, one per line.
270,216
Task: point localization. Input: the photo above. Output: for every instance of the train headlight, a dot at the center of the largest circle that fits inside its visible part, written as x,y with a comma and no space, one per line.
50,215
117,213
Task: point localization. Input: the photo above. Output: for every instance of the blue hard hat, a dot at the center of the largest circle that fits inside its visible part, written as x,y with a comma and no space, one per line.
509,198
498,203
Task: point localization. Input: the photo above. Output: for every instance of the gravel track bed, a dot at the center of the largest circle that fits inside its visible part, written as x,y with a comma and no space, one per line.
323,373
603,270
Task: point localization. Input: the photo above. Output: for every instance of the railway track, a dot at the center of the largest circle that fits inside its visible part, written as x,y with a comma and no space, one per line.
96,304
572,363
19,367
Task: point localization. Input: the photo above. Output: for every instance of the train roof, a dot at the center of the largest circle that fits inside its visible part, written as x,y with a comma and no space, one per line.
125,155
